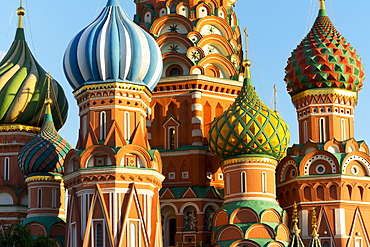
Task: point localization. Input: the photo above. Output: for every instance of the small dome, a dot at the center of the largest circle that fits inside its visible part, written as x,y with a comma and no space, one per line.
324,59
248,127
22,87
46,151
113,48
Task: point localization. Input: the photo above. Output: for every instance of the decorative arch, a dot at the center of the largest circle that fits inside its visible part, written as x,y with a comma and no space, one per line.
169,204
259,231
359,157
220,218
217,41
181,211
137,150
229,232
177,59
219,23
271,215
183,9
320,155
202,10
174,37
71,162
164,22
94,150
225,65
244,215
6,199
210,204
288,163
282,233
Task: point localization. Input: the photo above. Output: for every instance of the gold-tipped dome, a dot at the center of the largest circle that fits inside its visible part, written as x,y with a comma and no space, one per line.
248,127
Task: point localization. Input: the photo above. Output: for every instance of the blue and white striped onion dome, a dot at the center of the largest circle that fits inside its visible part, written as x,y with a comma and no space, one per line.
113,49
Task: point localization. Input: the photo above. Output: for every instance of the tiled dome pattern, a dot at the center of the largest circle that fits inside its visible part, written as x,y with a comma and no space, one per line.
248,127
45,152
324,59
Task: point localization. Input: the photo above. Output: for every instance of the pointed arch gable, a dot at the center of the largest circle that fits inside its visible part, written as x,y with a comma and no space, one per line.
260,231
96,149
271,215
229,232
244,215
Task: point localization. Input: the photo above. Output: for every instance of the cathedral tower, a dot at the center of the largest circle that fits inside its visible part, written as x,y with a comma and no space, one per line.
329,169
250,139
201,48
113,176
23,87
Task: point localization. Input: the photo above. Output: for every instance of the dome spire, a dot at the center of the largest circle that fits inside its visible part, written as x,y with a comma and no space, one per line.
246,63
20,12
322,11
295,240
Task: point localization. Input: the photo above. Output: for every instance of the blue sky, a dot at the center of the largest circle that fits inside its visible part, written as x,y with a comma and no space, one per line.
275,29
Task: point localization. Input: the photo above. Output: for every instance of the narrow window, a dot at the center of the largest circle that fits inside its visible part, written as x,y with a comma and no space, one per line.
228,184
171,138
99,235
343,128
173,7
322,130
84,126
103,125
39,198
244,189
127,125
6,169
264,189
305,132
133,236
54,198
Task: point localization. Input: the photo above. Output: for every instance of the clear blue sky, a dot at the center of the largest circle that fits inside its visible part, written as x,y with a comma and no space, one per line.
275,29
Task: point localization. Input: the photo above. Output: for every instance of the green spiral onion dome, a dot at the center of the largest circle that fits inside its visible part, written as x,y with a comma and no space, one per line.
23,86
324,59
247,127
46,151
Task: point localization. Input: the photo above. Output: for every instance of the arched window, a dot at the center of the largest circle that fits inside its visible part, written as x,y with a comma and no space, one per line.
305,132
322,130
99,235
54,198
173,7
244,182
264,182
127,125
148,17
171,138
103,125
6,169
343,128
39,198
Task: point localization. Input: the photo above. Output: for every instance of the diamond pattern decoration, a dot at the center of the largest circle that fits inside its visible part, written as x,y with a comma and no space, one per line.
324,59
248,127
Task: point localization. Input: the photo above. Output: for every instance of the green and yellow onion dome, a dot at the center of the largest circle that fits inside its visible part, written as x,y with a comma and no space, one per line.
324,59
248,127
46,151
23,87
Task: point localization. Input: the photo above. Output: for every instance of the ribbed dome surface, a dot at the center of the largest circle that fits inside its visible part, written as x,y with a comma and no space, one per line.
113,48
248,127
23,88
324,59
46,151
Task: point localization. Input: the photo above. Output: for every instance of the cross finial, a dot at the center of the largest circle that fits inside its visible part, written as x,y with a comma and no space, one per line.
20,12
246,42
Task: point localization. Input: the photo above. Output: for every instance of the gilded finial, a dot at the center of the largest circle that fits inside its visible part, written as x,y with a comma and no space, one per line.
48,100
295,219
246,63
322,4
314,223
20,12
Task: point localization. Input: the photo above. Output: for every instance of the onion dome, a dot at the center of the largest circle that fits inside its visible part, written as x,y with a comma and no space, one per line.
111,49
324,59
23,86
248,127
46,151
